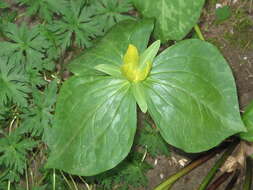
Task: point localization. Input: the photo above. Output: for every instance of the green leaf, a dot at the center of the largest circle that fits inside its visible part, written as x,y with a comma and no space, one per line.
174,19
151,140
25,45
13,152
192,97
95,123
139,96
149,54
44,8
76,26
111,48
247,118
110,12
129,173
4,5
13,84
110,70
223,13
38,116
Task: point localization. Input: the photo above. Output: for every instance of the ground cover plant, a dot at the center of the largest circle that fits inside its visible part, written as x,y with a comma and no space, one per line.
62,121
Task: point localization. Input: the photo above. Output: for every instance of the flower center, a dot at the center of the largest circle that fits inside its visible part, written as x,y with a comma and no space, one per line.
131,67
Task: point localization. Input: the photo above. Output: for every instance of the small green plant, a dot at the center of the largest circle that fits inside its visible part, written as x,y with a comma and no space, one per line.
180,88
150,140
187,89
223,13
129,173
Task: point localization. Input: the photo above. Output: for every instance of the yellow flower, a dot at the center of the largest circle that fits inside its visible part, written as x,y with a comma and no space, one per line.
131,67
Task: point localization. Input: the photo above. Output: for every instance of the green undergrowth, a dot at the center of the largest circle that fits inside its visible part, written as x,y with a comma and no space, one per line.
238,28
242,28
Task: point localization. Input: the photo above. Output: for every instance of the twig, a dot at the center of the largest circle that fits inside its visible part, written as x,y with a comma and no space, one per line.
216,166
73,181
219,181
232,182
248,176
65,179
26,178
86,184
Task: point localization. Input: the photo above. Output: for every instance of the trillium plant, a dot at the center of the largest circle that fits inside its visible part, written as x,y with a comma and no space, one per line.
188,89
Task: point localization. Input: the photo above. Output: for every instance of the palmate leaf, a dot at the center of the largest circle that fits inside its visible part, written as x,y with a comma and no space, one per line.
54,49
38,116
13,84
247,118
13,151
174,19
151,140
76,24
25,46
191,96
128,174
109,12
44,8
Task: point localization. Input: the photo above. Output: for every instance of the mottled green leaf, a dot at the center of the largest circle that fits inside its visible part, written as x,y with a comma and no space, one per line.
111,48
94,127
247,118
191,96
174,19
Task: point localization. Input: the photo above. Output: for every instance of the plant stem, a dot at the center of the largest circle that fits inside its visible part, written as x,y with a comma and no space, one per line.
219,181
86,184
198,32
53,179
26,178
248,176
216,166
73,181
65,179
172,179
232,182
9,185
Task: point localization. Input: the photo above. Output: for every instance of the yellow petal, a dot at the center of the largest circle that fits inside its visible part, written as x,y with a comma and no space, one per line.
142,74
131,58
131,65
